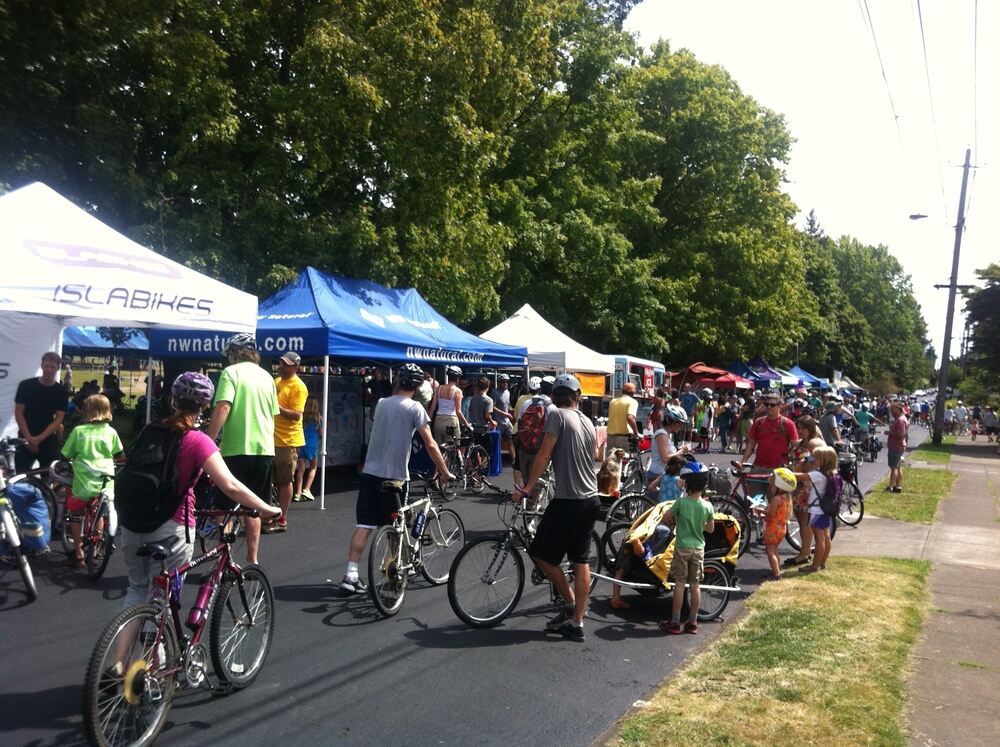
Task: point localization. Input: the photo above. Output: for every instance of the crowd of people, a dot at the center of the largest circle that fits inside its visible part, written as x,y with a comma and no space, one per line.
264,432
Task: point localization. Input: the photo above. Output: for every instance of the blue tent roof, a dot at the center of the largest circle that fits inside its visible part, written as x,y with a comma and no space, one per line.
742,369
320,314
87,339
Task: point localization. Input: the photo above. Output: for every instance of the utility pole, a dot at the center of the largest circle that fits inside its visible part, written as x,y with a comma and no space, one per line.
942,381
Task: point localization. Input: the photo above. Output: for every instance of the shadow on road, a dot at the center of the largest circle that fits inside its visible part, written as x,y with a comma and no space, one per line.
54,709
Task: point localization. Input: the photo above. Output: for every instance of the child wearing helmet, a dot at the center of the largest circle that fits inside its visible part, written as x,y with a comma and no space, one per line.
779,508
93,446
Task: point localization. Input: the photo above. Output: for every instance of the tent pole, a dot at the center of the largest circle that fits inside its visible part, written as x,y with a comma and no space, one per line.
322,450
149,389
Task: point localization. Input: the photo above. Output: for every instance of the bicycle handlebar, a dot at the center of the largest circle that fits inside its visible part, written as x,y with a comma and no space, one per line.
252,513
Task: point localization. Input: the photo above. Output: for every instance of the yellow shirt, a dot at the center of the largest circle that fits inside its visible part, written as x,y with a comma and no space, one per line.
292,395
618,412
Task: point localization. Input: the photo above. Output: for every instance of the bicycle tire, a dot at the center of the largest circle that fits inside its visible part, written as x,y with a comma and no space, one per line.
386,581
477,464
628,508
97,554
852,505
713,602
449,490
611,543
27,575
66,536
486,581
731,508
443,538
140,722
235,661
793,534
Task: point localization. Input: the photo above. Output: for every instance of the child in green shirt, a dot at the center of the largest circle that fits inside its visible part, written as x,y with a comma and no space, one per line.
691,517
92,447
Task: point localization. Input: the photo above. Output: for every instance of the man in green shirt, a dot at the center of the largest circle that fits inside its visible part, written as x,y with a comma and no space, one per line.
691,517
246,403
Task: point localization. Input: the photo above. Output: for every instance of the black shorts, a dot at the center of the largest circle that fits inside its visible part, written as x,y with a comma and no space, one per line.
48,452
251,470
565,530
376,505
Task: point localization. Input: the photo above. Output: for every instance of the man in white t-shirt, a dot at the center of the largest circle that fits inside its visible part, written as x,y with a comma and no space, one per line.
386,471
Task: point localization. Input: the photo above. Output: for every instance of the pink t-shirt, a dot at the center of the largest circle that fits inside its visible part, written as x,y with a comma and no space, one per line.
194,451
897,434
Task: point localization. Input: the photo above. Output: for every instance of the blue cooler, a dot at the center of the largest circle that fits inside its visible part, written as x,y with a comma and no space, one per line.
496,456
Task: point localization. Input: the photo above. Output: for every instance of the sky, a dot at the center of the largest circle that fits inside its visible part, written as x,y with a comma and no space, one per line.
863,168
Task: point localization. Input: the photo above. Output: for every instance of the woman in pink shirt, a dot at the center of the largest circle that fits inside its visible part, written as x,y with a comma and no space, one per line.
896,445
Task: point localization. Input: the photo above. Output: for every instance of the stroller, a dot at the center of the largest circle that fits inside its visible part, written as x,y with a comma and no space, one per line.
650,575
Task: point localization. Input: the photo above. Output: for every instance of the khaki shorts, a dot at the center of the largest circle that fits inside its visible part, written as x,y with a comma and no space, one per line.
283,467
687,565
617,441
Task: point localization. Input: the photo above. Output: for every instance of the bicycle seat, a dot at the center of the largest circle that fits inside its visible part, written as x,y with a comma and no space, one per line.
158,550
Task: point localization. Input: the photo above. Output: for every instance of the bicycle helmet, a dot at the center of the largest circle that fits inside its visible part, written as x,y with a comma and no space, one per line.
785,480
453,371
674,414
832,406
61,471
243,340
195,387
503,377
410,376
693,468
706,392
534,383
566,381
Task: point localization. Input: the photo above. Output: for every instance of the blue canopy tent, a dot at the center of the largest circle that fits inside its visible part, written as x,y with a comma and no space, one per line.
808,379
759,381
321,314
84,340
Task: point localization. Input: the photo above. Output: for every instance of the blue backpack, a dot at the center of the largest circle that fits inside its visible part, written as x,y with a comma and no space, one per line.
32,513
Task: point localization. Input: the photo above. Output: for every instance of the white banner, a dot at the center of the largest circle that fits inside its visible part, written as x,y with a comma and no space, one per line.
24,338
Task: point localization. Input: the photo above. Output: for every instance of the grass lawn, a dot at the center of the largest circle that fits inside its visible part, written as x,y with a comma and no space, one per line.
928,452
922,490
818,660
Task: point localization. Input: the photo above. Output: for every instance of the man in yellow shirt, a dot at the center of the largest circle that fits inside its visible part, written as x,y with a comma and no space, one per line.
621,418
288,433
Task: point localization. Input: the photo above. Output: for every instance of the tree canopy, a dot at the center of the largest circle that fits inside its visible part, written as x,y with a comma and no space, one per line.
486,153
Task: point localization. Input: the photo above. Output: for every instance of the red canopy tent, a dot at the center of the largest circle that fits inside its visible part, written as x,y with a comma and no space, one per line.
699,374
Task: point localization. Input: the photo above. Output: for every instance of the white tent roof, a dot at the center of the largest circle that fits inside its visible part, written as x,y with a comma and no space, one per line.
787,379
62,262
547,346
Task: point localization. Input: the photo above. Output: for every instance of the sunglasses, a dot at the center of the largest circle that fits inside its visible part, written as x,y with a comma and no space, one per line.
771,404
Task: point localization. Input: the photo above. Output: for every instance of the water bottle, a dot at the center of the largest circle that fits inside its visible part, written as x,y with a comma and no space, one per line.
418,525
197,614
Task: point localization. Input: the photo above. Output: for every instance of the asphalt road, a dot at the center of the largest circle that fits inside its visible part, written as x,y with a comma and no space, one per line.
338,673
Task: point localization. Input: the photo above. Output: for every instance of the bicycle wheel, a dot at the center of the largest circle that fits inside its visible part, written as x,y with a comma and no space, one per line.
793,533
733,509
66,535
443,537
852,505
713,601
486,581
614,536
99,546
240,635
477,465
449,490
628,508
386,577
27,575
130,683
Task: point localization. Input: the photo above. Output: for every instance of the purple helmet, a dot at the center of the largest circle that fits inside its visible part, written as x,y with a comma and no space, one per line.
195,387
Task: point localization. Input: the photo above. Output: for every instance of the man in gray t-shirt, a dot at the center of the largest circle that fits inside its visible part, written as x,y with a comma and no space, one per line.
566,527
481,406
386,469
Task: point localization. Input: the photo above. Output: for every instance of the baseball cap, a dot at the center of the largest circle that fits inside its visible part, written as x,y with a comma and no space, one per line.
292,359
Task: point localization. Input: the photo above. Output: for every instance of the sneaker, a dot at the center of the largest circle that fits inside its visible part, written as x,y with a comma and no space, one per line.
572,631
793,561
353,585
670,627
298,498
692,626
555,624
897,489
307,496
275,528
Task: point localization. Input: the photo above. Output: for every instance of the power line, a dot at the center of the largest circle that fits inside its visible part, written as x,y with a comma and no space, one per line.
930,99
975,98
866,16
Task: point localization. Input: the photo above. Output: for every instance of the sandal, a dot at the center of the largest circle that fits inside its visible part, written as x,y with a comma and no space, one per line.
619,604
74,563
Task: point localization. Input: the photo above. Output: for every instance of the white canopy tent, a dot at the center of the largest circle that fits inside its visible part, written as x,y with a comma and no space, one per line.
547,346
67,268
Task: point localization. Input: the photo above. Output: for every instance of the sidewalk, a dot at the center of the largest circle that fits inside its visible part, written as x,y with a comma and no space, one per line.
956,665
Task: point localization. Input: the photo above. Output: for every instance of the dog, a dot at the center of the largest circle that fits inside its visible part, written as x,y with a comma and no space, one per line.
609,476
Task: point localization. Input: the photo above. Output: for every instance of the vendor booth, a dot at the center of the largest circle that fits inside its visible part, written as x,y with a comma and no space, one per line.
353,320
88,341
808,380
72,269
549,348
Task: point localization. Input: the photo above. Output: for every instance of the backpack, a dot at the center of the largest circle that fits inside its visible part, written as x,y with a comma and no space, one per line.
531,426
829,502
147,490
